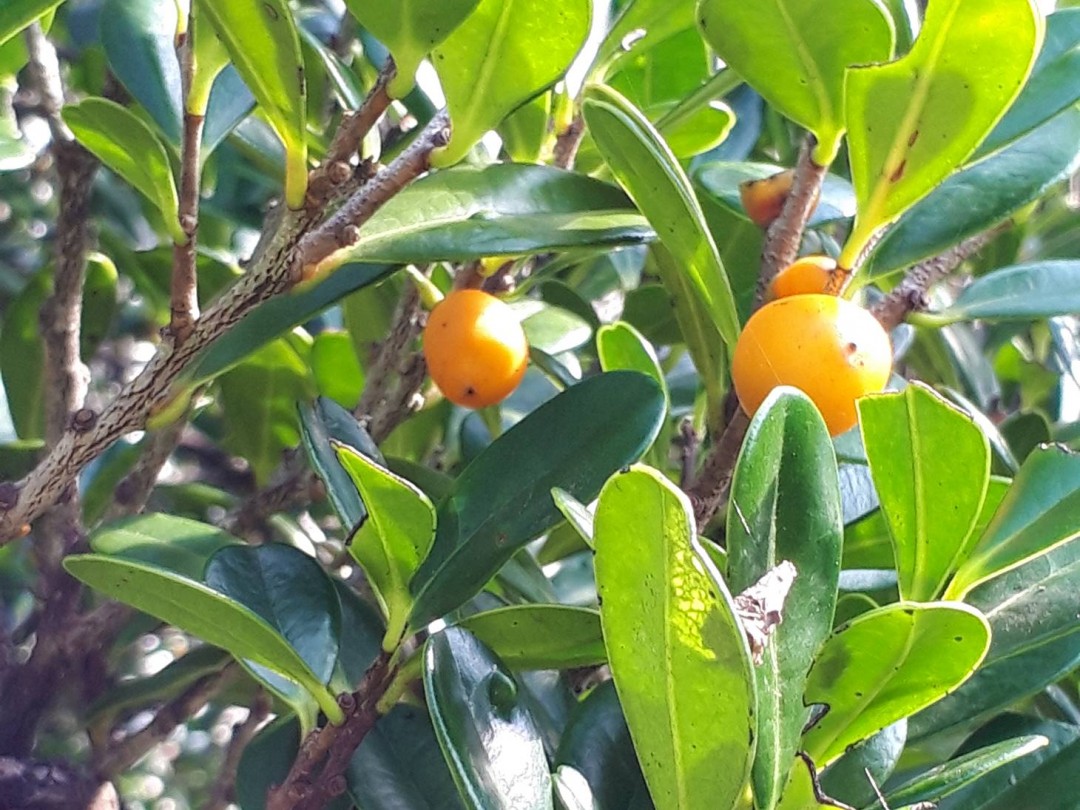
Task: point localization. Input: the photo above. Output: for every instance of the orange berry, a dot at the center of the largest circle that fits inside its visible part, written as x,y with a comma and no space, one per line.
810,274
763,199
831,349
475,348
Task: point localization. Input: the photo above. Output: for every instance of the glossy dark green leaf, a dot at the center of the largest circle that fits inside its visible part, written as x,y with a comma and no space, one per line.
720,180
259,399
676,648
120,140
939,782
597,745
202,611
982,194
319,423
1054,83
552,330
230,104
22,357
487,735
646,168
263,44
1035,641
846,778
540,636
139,38
177,544
502,55
499,210
15,15
931,500
796,57
99,303
886,665
280,314
1022,292
399,766
265,761
395,538
1037,515
1051,786
785,505
574,441
912,121
359,641
410,29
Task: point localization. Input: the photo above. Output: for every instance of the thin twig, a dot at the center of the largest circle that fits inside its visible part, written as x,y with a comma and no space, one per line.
343,228
568,141
223,792
713,480
318,773
910,294
134,490
126,753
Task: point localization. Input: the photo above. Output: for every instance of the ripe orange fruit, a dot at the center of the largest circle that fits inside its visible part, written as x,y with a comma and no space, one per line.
764,199
831,349
475,348
810,274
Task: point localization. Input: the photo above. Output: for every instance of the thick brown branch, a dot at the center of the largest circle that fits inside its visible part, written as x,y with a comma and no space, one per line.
714,478
126,753
343,228
784,236
910,294
318,774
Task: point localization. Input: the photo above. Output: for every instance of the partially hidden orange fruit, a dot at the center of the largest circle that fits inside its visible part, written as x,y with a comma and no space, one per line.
810,274
475,348
832,350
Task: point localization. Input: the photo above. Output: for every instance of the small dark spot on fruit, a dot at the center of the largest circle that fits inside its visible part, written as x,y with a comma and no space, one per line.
470,391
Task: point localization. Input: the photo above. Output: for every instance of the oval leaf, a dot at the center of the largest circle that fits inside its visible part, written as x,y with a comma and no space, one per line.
785,505
676,649
645,166
488,737
177,544
541,636
262,42
796,56
120,140
573,441
911,122
503,54
1022,292
931,500
621,346
15,15
886,665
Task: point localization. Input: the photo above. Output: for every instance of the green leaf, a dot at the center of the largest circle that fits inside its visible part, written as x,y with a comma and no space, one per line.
120,140
797,57
846,778
596,744
359,641
1037,515
280,315
911,122
259,400
410,29
1054,83
263,44
646,168
395,538
336,368
201,611
22,357
677,651
931,499
176,544
505,209
981,195
1022,292
552,330
15,15
577,514
887,664
939,782
99,303
1048,787
621,346
319,424
503,54
574,441
720,180
785,505
540,636
1036,640
139,38
289,591
487,735
399,766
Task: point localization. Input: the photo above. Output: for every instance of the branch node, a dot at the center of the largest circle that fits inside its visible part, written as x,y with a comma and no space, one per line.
9,495
83,420
348,236
338,172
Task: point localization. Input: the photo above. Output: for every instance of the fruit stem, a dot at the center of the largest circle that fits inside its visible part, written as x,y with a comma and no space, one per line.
430,295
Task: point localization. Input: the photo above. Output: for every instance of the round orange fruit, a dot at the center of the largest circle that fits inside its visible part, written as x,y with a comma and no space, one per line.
475,348
810,274
832,350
